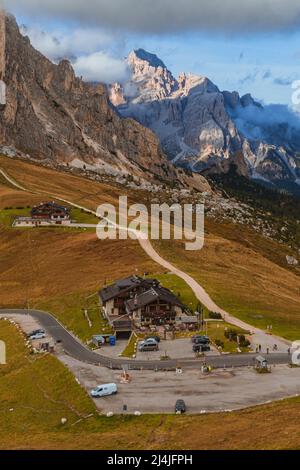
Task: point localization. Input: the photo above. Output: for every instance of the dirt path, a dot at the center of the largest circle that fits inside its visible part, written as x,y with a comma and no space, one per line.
259,337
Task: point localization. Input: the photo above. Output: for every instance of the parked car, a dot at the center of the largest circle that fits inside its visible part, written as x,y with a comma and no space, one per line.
157,338
36,332
200,347
149,341
180,407
200,339
149,344
37,336
104,390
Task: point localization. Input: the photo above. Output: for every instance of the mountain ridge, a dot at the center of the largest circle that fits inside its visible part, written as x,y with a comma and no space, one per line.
204,129
50,114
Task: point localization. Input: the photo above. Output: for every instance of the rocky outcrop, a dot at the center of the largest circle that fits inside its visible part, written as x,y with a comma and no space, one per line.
51,114
291,260
204,129
150,77
2,59
2,44
187,114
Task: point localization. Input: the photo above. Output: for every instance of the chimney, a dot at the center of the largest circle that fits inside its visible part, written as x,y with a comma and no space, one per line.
2,58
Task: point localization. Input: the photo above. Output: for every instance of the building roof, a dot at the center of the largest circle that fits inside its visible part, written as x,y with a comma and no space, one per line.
125,285
154,294
189,319
260,359
49,207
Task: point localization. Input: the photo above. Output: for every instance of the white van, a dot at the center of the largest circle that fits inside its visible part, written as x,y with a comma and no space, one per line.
104,390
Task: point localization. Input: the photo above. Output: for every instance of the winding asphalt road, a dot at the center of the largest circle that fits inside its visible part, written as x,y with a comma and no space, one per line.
73,347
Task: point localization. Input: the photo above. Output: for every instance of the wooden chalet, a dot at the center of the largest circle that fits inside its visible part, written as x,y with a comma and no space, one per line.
136,301
113,297
156,306
50,211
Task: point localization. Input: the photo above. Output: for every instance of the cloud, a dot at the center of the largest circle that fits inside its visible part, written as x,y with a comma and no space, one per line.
249,78
283,81
101,67
275,124
87,49
56,44
267,75
164,16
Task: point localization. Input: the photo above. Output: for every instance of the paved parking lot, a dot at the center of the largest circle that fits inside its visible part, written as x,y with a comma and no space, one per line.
178,348
113,351
157,392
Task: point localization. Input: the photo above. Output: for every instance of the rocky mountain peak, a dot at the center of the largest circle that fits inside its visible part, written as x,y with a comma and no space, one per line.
52,115
206,130
2,43
151,80
191,83
2,59
234,100
140,55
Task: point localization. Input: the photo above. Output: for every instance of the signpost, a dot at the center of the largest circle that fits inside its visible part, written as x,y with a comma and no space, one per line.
2,353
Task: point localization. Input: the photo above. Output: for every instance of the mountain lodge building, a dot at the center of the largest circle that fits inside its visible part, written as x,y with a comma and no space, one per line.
50,211
142,302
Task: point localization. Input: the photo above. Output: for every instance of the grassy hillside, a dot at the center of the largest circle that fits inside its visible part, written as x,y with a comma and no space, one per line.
57,269
243,272
242,281
36,391
279,207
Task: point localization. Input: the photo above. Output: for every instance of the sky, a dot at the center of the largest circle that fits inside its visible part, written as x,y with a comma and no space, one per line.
251,46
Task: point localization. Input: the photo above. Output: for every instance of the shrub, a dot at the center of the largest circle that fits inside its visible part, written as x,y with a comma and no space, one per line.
215,316
230,334
164,357
243,342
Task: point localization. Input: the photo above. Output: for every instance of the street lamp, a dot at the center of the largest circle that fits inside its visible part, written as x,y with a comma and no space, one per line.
198,319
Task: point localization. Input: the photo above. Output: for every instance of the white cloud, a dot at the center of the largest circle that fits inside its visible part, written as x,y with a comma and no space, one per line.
88,50
101,67
56,44
160,16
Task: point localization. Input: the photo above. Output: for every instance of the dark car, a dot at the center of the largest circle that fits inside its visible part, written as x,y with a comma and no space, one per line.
200,339
180,407
201,347
36,332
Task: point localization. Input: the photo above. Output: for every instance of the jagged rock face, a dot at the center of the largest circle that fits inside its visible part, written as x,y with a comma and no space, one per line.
51,114
2,59
150,76
199,126
187,114
2,44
